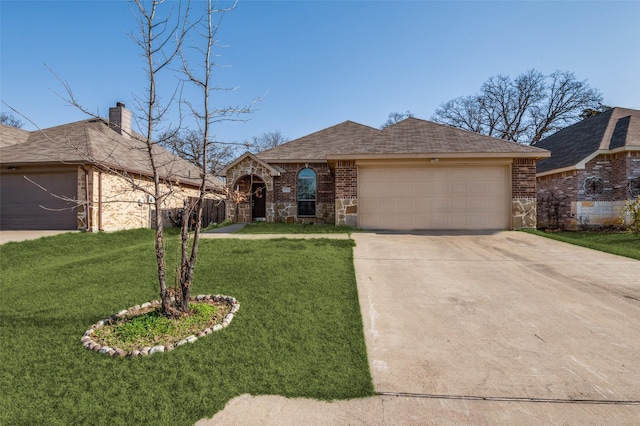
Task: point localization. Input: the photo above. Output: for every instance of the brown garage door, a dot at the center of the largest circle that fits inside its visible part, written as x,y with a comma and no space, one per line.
433,197
24,205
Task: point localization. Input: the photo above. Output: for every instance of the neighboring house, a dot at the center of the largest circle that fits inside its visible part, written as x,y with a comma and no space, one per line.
594,167
87,175
412,175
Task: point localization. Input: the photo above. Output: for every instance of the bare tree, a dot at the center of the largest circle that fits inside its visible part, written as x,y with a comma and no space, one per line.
160,41
266,141
187,144
525,109
206,115
9,120
395,117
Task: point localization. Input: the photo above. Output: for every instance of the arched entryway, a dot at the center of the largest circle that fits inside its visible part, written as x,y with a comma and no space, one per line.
254,209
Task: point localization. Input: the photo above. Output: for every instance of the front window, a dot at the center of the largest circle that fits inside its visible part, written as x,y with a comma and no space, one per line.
306,192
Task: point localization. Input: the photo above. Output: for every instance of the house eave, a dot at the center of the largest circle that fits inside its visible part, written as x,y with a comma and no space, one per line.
582,164
556,171
14,167
433,155
293,160
272,170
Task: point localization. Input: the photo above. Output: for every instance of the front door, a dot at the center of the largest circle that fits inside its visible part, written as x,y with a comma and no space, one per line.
258,201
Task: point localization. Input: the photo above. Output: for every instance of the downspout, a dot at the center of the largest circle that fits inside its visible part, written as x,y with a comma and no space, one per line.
100,200
87,209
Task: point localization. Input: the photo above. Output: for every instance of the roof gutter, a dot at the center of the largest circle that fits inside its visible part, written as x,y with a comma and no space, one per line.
87,206
536,155
582,164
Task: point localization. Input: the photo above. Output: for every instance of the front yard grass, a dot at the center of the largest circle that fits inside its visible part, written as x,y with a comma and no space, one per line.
622,244
294,228
298,333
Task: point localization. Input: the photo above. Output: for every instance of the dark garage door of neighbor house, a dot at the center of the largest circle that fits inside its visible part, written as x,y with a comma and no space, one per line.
24,205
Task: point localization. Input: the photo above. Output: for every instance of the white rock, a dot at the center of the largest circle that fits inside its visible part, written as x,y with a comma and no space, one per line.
156,349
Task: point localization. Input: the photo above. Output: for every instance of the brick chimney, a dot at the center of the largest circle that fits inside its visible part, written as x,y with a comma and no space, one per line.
120,120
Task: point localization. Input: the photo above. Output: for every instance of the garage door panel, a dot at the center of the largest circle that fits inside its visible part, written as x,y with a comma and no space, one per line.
24,205
405,198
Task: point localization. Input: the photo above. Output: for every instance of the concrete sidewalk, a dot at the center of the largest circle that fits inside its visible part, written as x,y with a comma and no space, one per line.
17,236
229,232
225,232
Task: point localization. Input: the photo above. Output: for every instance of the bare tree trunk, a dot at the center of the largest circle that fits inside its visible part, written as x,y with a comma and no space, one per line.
152,44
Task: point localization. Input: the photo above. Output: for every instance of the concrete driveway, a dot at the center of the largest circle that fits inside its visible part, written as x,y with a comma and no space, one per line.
509,314
507,328
16,236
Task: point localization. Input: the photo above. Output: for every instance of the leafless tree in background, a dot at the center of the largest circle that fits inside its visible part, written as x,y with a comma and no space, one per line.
396,117
525,109
9,120
266,141
187,144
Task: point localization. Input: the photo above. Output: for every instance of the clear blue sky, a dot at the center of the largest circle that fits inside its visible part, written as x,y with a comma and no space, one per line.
319,63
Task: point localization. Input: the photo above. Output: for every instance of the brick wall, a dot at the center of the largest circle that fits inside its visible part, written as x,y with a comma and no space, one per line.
285,208
346,179
576,206
631,164
523,193
523,178
555,193
282,204
115,204
600,167
346,197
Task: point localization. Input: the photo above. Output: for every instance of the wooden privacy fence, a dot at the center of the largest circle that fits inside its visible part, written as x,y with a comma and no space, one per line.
212,211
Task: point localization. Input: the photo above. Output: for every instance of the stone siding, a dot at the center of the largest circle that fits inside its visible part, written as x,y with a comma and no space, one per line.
239,178
523,213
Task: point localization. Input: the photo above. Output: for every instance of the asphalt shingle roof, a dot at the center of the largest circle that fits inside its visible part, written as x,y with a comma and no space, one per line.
92,141
12,135
614,128
333,140
410,136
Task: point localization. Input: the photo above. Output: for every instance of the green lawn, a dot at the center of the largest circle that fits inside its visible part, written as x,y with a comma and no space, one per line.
294,228
298,332
623,244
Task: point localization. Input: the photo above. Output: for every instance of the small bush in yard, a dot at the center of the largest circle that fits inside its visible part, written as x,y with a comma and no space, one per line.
631,211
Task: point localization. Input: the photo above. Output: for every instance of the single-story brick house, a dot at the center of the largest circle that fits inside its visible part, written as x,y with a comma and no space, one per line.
412,175
594,167
83,175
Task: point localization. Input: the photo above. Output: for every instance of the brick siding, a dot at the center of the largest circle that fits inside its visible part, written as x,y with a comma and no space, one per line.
523,178
282,201
114,204
576,207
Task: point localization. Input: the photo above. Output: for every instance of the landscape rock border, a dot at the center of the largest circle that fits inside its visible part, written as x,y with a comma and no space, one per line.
90,344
